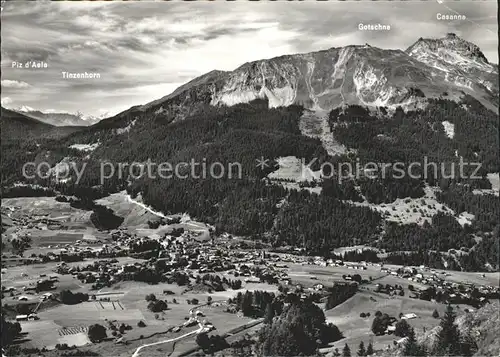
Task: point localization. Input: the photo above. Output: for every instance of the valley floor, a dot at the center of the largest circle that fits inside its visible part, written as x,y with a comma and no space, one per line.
69,324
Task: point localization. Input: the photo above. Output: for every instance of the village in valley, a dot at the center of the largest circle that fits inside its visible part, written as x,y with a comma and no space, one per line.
154,284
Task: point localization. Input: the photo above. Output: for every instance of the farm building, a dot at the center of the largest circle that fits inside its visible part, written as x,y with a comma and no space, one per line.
318,286
409,316
402,340
46,296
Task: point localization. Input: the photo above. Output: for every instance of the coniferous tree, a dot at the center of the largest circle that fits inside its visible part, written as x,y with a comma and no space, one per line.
346,352
411,347
369,349
448,340
361,350
269,313
402,328
299,330
246,305
378,327
9,331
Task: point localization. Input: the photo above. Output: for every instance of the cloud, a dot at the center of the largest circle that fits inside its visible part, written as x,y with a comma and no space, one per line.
6,101
7,83
144,50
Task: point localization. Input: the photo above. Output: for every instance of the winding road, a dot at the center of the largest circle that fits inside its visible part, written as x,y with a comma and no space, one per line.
199,330
142,205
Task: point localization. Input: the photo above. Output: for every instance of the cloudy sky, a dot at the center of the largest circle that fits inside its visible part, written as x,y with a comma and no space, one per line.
144,50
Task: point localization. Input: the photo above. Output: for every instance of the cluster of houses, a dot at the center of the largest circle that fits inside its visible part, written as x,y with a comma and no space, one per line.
43,284
392,327
181,252
100,273
31,222
441,290
390,290
190,259
47,283
29,317
180,258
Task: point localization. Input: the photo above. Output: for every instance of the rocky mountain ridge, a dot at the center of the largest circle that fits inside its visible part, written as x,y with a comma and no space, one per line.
461,61
357,74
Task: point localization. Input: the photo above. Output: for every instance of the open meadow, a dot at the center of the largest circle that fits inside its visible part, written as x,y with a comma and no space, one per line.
356,329
52,226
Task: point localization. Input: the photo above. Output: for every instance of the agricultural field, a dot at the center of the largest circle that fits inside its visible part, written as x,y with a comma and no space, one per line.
356,329
52,226
309,274
46,207
292,171
27,275
42,333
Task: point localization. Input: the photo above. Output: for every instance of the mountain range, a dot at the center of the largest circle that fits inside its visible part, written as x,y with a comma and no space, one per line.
363,75
58,118
323,80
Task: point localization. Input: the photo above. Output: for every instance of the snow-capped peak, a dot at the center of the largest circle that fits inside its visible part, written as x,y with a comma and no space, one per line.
94,118
58,117
25,109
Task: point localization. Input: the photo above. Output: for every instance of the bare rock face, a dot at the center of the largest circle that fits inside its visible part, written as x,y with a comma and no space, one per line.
327,79
452,49
462,63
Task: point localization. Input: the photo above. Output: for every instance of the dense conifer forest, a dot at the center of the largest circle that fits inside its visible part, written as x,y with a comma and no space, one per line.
245,202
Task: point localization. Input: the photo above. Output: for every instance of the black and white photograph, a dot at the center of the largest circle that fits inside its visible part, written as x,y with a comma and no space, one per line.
250,178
